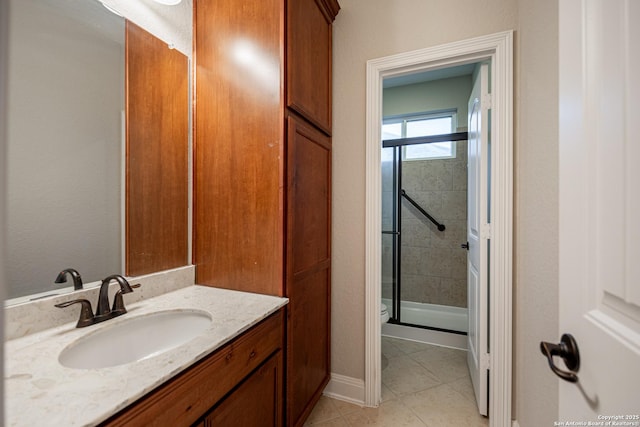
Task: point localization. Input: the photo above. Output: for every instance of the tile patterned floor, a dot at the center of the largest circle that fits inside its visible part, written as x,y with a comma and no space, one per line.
422,386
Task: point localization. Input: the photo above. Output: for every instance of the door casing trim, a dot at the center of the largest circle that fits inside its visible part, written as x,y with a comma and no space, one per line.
498,49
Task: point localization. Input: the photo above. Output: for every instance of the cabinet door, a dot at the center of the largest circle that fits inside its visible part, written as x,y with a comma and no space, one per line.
309,59
308,267
257,402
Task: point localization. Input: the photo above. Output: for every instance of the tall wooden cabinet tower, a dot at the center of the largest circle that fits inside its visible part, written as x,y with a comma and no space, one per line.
262,168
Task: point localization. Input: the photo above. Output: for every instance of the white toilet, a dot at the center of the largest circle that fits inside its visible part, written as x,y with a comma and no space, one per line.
384,314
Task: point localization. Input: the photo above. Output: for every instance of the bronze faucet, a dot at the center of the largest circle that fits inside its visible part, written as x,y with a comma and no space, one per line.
103,312
77,279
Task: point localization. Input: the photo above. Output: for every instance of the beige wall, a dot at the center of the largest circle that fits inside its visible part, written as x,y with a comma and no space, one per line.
367,29
434,95
536,210
4,67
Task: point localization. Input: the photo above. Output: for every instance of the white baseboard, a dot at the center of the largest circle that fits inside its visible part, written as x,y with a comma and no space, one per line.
345,388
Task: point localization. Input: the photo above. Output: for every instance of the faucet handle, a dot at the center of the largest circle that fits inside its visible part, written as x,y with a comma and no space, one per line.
118,302
86,313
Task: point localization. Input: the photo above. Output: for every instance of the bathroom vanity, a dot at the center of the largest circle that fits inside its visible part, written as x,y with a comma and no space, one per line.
221,388
213,377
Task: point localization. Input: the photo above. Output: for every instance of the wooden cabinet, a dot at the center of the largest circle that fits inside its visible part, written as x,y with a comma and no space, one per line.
262,168
157,154
308,266
238,145
309,59
221,387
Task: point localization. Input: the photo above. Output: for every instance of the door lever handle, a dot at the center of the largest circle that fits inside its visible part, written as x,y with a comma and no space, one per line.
567,349
465,246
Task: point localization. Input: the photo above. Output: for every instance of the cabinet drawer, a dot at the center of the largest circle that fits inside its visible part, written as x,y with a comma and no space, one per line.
184,399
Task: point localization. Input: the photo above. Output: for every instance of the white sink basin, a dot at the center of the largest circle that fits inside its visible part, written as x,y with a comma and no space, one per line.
135,339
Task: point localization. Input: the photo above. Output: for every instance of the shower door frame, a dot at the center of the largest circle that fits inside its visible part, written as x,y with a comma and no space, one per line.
396,237
396,233
498,49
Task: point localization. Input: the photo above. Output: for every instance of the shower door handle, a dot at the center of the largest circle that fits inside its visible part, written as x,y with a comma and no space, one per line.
465,246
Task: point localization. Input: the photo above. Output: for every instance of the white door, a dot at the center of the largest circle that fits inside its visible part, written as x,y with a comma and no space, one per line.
599,295
477,236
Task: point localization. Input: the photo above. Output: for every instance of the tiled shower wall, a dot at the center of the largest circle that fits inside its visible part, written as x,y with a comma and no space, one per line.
433,265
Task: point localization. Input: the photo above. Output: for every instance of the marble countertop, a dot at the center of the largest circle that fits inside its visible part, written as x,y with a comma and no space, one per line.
40,391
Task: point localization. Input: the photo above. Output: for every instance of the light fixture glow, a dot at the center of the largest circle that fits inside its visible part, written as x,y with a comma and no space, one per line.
261,68
110,9
168,2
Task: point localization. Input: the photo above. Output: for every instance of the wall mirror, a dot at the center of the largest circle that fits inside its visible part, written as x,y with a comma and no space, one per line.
67,145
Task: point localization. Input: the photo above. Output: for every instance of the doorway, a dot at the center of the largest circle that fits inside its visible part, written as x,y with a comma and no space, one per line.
497,50
424,200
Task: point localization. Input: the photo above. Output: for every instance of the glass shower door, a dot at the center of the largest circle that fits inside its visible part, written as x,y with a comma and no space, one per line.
432,218
423,265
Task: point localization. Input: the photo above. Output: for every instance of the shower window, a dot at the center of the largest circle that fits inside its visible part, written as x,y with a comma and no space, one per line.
423,125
